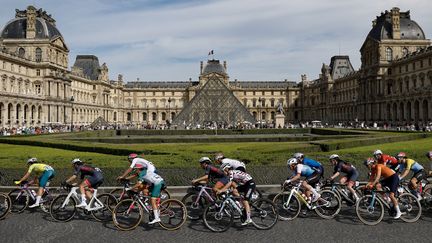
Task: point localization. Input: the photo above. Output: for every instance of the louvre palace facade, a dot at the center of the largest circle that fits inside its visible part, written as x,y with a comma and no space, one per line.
37,87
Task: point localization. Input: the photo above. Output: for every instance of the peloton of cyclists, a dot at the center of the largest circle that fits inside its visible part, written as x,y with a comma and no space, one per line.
303,170
93,181
45,172
351,173
240,182
390,179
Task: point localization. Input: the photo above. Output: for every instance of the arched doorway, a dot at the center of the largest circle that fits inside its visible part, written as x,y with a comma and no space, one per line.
425,111
408,111
416,110
401,112
394,115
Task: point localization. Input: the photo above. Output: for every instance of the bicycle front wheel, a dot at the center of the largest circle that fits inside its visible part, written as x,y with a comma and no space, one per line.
410,207
5,205
108,204
287,210
174,216
20,200
264,214
195,206
63,209
328,205
127,214
217,219
370,210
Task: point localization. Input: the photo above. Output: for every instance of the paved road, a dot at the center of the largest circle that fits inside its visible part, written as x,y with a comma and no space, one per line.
33,226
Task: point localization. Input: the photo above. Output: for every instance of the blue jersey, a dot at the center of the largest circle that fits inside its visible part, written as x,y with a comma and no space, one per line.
312,163
304,170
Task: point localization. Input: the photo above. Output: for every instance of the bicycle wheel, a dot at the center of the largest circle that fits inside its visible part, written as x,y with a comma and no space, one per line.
5,205
62,210
263,214
328,205
195,206
20,200
287,210
47,198
174,216
410,207
105,213
257,194
427,197
217,219
127,214
370,210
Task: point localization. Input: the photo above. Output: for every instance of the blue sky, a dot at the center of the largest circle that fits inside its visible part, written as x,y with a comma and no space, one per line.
260,40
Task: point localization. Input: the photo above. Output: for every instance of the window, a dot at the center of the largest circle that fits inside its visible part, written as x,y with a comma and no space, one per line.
38,55
37,72
389,54
272,102
94,87
154,116
144,116
404,52
21,52
413,66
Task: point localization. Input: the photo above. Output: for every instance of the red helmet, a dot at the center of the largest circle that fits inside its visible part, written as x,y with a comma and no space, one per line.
132,156
401,155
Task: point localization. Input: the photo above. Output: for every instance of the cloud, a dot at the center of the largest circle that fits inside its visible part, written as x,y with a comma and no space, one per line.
260,40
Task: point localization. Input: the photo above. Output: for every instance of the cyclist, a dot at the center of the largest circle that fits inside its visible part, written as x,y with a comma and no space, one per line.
139,164
341,166
150,178
241,182
93,181
46,173
212,175
312,177
391,180
315,165
235,164
415,167
386,159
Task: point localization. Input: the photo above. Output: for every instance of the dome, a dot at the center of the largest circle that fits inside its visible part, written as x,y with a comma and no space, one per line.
213,66
44,26
409,29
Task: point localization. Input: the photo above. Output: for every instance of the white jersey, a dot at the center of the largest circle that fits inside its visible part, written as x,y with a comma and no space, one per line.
139,163
233,163
239,177
152,178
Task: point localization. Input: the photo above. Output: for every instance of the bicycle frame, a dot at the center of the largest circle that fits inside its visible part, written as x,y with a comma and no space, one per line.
203,190
230,202
73,194
295,191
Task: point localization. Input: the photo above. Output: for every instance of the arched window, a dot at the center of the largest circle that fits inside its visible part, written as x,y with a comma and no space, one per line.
21,52
144,116
389,54
154,116
38,55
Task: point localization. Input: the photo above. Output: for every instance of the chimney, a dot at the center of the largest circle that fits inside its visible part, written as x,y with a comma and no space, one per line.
31,22
225,66
201,67
395,20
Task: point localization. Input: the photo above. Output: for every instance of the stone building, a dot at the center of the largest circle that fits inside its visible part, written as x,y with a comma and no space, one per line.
37,87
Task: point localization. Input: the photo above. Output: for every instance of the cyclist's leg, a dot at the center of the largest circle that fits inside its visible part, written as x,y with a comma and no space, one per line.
393,182
43,179
155,194
351,182
250,188
311,182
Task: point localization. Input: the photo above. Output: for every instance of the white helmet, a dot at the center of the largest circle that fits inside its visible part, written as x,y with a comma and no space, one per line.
31,160
377,152
298,155
292,161
204,159
225,166
219,156
75,161
334,156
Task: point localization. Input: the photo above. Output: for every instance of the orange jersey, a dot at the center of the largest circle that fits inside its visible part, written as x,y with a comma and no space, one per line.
385,171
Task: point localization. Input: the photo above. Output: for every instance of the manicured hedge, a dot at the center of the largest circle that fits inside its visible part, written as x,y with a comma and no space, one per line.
210,132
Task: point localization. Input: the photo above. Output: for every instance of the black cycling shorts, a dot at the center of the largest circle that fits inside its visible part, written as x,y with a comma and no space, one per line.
247,189
391,182
313,179
420,175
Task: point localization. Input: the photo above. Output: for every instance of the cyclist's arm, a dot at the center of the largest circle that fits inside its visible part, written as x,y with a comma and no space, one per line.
377,176
27,175
405,173
129,170
72,178
225,188
202,178
132,176
296,177
334,175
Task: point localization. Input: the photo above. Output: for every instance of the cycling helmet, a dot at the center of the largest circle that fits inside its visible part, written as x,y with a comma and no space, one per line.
298,155
292,161
132,156
368,161
219,156
225,166
204,160
334,156
429,154
401,155
76,161
31,160
377,152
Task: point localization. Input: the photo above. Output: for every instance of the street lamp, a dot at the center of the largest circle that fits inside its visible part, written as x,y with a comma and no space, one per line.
72,100
169,110
259,111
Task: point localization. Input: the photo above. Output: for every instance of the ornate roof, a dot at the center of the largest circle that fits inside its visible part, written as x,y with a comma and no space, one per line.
214,66
89,64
